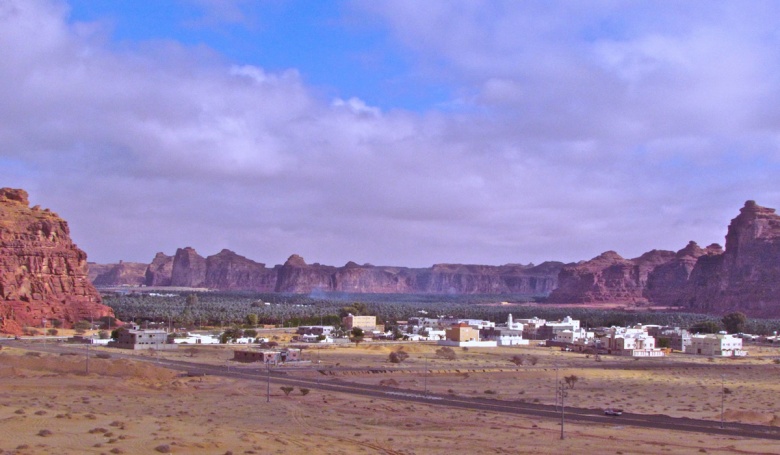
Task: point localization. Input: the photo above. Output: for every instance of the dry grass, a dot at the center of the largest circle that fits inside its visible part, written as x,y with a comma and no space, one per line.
48,405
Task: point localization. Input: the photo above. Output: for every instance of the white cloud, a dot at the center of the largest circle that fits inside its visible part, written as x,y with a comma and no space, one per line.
582,129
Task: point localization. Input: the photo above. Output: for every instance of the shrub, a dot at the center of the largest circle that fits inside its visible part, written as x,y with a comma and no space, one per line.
304,391
287,390
446,353
163,448
52,332
103,355
44,433
517,360
398,356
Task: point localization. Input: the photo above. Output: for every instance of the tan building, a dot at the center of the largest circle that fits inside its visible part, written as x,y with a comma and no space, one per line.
367,323
462,332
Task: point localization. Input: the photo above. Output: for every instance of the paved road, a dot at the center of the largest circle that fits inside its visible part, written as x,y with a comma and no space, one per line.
571,414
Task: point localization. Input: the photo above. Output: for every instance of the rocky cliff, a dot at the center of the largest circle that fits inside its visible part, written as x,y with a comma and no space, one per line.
230,271
746,276
159,272
607,278
43,274
129,273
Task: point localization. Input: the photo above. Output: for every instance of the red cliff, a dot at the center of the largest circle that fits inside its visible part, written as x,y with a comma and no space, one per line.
43,274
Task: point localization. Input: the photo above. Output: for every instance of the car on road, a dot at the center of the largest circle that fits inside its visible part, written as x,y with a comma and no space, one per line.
613,412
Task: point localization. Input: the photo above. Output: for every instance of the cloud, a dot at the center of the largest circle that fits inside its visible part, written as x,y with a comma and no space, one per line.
575,130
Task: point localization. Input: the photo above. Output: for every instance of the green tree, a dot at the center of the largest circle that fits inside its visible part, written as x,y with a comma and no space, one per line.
357,335
231,334
82,326
705,327
192,300
734,322
252,319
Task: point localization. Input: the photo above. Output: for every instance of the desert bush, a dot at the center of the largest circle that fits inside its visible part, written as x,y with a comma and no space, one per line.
52,332
490,392
44,433
103,355
163,448
398,356
446,353
32,354
517,360
287,390
571,380
304,391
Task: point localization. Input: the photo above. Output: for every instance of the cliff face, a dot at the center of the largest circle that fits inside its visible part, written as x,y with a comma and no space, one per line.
189,269
43,275
229,271
159,272
130,273
747,275
606,278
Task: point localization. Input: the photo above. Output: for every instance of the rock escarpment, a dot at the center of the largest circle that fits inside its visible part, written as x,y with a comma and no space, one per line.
607,278
230,271
129,273
43,274
159,272
746,276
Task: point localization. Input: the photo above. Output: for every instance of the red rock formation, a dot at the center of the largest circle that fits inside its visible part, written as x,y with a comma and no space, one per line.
43,275
124,273
227,270
667,282
297,276
746,276
189,269
159,271
607,278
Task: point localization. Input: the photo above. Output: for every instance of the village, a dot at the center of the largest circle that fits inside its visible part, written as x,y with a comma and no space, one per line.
638,341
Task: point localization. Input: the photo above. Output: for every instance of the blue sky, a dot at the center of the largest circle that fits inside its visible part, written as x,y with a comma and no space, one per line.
391,132
335,49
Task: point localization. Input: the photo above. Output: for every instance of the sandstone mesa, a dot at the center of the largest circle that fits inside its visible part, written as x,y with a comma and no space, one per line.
43,274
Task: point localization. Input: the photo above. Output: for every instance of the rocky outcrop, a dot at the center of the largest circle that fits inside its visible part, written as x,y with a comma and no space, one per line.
159,272
605,278
746,276
189,269
228,271
43,274
126,273
666,283
297,276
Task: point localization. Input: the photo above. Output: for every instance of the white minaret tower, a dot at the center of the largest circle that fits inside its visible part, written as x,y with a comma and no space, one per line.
509,322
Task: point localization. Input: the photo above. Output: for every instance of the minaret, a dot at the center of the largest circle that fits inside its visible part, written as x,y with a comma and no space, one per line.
509,322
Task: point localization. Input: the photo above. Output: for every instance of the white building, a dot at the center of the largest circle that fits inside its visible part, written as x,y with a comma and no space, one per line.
194,338
632,342
720,344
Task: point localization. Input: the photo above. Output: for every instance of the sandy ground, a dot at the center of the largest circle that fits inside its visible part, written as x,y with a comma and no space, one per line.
49,405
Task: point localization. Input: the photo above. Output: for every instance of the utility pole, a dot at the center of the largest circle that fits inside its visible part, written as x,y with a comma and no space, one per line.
425,377
722,398
563,407
87,357
268,384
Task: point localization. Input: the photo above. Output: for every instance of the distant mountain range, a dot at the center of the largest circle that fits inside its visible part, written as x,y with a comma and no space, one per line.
745,276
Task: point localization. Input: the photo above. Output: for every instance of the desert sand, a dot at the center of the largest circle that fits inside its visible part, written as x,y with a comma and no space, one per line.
48,404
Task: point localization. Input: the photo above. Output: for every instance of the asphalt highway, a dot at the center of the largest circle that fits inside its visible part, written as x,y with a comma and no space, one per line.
328,383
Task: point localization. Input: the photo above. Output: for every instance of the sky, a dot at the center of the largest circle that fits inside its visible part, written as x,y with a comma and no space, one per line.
391,132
